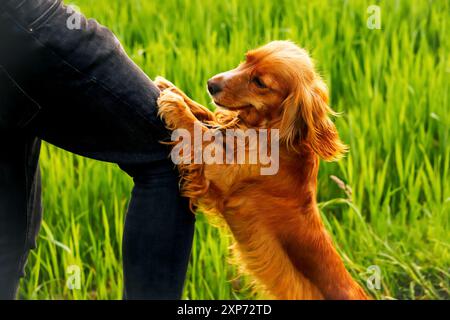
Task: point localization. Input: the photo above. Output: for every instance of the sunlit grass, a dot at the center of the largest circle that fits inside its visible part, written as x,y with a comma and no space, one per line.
392,86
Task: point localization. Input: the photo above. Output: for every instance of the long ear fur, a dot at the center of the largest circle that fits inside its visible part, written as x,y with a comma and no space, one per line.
306,119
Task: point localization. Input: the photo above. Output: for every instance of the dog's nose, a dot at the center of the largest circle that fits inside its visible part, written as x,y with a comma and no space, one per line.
214,86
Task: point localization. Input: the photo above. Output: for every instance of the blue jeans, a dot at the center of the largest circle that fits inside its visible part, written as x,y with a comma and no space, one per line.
77,89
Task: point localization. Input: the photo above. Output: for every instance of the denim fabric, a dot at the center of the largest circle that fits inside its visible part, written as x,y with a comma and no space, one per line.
78,90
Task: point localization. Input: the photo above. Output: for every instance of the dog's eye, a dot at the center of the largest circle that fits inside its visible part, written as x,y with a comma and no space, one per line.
259,83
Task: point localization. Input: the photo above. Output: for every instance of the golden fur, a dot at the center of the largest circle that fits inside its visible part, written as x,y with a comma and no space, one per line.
274,218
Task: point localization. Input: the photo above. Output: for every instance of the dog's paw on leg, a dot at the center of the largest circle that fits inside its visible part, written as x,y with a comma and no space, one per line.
163,83
173,110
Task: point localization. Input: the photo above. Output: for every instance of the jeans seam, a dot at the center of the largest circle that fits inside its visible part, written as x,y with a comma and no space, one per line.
44,17
9,4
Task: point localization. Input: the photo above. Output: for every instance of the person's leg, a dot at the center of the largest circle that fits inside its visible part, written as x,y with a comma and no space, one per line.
96,102
19,186
20,207
157,241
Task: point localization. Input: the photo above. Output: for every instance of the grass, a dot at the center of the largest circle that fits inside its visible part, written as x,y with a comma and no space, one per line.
392,86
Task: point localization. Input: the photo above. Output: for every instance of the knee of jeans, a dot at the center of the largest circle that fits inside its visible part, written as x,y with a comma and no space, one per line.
146,173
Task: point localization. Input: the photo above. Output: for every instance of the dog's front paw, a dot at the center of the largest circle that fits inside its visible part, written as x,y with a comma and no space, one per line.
163,83
171,108
170,99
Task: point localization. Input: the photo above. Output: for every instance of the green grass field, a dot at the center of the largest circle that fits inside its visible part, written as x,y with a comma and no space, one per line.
392,86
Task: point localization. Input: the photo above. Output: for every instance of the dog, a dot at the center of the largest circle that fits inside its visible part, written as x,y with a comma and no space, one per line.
274,219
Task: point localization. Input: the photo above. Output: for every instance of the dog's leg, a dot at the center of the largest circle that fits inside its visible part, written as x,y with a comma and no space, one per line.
262,254
311,250
200,112
175,112
288,251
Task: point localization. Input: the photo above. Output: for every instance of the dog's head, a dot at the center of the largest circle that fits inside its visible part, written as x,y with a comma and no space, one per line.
276,86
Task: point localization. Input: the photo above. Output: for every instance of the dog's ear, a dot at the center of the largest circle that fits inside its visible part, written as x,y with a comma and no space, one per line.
306,119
